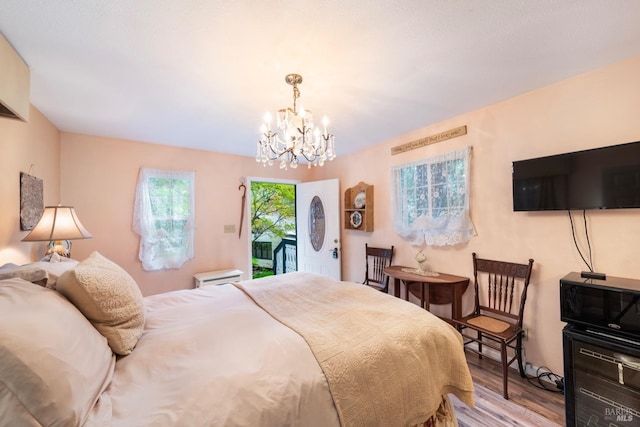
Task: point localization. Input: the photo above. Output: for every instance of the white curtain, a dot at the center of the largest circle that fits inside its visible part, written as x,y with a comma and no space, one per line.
430,199
163,216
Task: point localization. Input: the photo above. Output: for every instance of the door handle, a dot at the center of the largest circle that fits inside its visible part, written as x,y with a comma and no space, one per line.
334,253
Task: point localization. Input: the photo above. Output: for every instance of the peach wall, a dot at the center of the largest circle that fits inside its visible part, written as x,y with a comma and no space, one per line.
591,110
32,147
99,175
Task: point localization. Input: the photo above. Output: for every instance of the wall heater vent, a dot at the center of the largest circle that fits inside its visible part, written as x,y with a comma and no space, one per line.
217,277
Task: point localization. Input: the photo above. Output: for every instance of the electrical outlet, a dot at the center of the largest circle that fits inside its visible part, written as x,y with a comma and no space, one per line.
230,228
525,334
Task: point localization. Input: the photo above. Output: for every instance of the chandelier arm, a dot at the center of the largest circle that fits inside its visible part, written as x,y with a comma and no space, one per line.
312,159
275,152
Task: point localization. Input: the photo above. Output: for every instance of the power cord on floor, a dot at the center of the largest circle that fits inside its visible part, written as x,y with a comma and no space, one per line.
545,377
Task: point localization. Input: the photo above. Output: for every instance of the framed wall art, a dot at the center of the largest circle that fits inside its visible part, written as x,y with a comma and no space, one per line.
31,201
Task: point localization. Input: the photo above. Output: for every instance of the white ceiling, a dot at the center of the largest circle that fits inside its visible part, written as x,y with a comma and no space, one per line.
202,73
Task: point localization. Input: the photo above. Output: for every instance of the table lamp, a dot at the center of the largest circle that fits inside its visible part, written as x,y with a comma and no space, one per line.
59,225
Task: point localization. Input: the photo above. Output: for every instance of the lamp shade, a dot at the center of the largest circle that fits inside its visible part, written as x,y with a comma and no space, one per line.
58,223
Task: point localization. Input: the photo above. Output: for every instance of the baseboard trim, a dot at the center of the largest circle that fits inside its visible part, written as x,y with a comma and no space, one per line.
530,370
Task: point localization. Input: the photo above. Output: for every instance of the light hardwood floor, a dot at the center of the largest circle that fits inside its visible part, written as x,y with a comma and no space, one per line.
527,404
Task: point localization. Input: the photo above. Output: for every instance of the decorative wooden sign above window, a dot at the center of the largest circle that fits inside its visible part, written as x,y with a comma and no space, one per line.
432,139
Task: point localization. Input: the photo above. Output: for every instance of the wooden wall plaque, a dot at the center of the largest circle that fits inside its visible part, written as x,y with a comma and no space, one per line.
431,139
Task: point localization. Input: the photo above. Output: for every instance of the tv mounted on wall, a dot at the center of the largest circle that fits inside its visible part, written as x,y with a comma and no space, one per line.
600,178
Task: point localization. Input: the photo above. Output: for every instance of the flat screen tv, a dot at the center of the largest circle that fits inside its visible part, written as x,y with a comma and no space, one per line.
601,178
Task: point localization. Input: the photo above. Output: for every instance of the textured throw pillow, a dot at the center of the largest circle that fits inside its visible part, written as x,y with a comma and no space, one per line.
54,365
109,297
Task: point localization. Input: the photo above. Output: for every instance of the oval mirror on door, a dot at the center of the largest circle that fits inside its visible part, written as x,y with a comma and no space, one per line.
316,223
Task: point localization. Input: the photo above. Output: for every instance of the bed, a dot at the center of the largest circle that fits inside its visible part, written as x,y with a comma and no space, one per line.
292,350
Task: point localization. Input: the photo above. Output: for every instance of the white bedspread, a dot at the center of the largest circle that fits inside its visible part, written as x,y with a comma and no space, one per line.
211,357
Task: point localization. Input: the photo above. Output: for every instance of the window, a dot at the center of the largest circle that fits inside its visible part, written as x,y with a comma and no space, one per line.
431,199
262,250
164,218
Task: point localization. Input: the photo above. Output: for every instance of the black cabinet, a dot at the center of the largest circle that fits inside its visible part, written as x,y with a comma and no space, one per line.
601,351
602,379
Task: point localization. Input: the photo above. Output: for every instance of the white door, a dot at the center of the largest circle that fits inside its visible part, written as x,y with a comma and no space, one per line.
318,223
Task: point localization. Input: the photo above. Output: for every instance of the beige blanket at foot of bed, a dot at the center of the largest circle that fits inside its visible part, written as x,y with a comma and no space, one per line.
387,362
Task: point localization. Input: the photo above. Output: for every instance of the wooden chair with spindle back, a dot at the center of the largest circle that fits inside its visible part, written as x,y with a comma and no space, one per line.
377,259
497,318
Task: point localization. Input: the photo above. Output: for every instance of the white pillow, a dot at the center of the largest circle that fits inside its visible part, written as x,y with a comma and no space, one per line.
31,274
109,297
43,273
54,365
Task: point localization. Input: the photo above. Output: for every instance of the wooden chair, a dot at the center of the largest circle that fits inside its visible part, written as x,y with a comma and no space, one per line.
377,259
497,318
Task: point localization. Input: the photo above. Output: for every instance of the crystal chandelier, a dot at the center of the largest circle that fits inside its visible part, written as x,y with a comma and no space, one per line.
298,136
